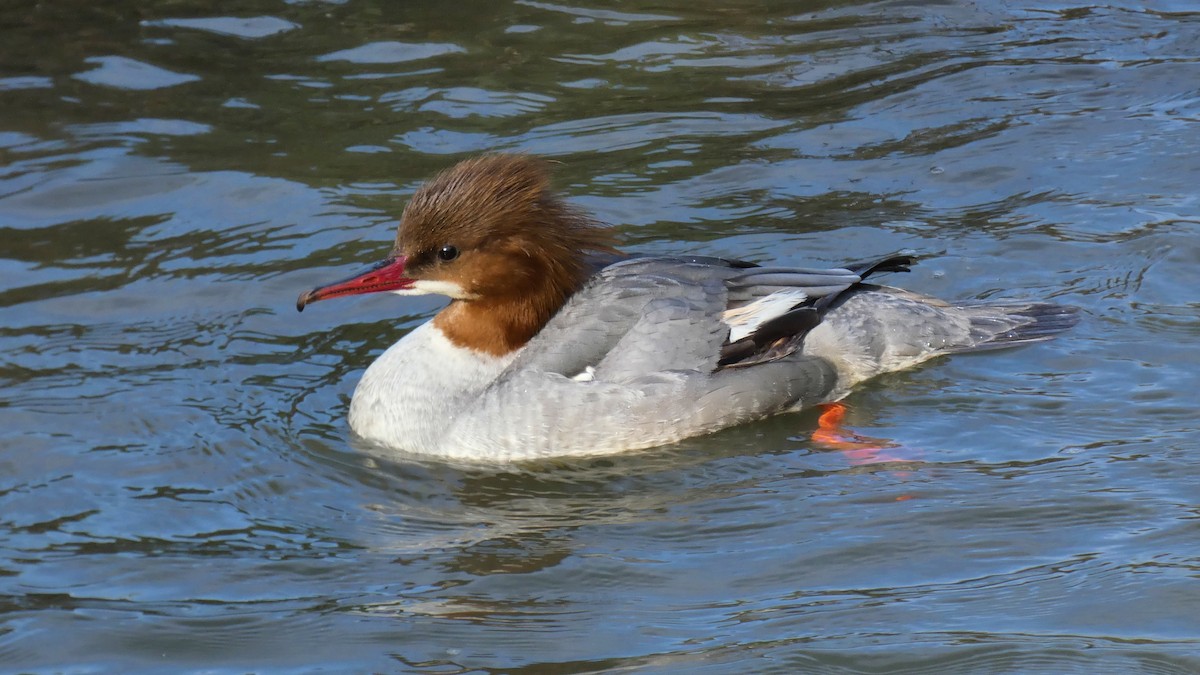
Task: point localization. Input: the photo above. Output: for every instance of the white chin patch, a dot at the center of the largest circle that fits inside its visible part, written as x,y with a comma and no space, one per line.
587,375
431,287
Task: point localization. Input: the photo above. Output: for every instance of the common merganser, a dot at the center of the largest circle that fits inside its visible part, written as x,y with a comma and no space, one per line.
546,350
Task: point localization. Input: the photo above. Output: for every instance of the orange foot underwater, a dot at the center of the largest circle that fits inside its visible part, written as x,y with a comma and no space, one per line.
858,449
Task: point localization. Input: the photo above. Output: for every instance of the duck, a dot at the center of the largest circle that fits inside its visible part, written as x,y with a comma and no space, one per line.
554,343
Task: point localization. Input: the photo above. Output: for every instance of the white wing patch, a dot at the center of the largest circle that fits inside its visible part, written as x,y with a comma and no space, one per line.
587,375
744,320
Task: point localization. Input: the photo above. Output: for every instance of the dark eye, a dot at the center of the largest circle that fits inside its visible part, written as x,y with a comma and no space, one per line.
447,253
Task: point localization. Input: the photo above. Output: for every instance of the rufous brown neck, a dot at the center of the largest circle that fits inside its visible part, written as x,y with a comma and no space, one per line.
499,326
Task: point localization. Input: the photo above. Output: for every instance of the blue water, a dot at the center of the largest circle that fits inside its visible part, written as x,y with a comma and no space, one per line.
178,488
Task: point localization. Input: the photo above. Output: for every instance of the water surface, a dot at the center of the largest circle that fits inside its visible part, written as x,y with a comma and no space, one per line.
178,488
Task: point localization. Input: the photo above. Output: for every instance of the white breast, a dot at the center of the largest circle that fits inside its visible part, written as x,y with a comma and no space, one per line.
410,395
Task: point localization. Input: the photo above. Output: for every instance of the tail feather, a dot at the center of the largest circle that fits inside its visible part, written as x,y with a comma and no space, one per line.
878,329
1000,326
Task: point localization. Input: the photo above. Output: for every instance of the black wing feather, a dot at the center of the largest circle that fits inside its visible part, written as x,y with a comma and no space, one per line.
784,334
